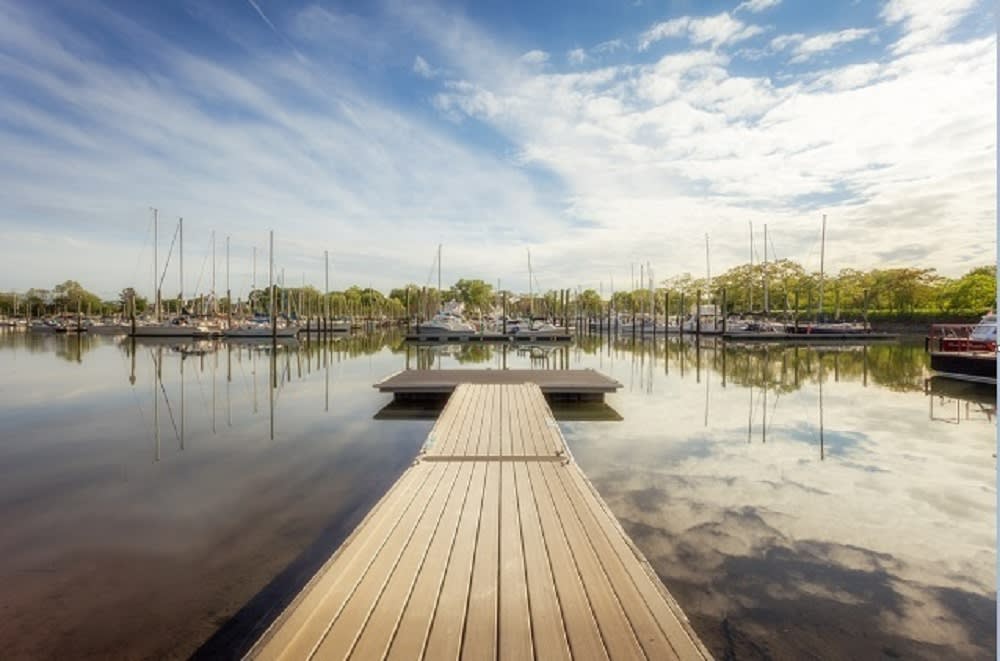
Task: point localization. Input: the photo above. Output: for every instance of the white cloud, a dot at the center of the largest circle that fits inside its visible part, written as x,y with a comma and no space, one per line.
308,154
804,47
653,153
535,57
609,46
924,22
715,30
577,56
757,6
422,68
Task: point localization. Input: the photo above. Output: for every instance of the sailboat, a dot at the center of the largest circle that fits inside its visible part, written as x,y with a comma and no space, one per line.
180,325
817,326
264,328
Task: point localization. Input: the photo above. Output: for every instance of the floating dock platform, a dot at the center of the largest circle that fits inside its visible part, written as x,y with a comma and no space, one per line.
583,385
493,545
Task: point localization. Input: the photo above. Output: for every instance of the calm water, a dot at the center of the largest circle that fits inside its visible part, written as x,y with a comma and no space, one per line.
798,502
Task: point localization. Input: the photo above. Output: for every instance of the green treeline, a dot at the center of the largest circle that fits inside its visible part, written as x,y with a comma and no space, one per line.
895,293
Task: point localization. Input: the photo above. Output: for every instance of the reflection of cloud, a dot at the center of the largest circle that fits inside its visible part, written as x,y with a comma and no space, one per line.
750,534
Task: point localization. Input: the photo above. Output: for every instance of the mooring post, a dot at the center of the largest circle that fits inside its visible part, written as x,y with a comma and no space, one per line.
697,313
682,314
723,310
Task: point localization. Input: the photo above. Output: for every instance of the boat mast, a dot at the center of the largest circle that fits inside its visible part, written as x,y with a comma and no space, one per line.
326,285
767,299
229,292
215,304
750,279
531,298
270,280
439,274
822,258
156,260
180,268
708,268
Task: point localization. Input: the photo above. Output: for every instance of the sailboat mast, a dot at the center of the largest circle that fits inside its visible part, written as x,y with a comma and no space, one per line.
822,264
708,265
180,231
326,284
767,299
750,279
531,298
229,291
156,260
439,270
215,304
270,277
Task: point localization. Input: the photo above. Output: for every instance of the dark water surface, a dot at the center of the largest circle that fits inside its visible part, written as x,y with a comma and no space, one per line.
799,502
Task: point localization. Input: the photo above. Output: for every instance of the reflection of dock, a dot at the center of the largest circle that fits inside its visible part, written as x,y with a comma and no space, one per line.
560,384
562,412
492,544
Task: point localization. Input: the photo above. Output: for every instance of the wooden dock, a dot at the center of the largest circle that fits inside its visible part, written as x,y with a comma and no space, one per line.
493,545
577,384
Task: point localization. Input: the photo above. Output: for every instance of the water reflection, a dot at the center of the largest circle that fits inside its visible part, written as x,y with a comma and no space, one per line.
799,501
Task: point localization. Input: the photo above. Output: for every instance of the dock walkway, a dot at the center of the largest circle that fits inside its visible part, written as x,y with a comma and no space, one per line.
493,545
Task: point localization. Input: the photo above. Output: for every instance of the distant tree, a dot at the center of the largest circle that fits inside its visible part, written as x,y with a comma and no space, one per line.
590,302
71,295
473,294
976,290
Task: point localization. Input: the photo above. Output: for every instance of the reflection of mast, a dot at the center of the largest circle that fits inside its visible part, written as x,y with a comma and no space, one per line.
182,402
273,384
229,380
822,449
157,361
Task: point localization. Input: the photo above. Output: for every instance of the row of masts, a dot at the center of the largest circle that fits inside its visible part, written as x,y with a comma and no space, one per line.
179,236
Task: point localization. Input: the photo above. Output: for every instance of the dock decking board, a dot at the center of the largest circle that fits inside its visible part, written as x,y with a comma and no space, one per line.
493,545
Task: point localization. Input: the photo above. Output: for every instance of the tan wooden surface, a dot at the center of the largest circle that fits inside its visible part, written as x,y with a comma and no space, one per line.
493,545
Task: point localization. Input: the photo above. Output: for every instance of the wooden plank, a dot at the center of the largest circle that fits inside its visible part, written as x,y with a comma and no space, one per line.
542,425
434,535
448,418
616,630
411,635
445,639
515,639
648,633
324,594
581,627
548,630
449,441
480,637
339,637
662,606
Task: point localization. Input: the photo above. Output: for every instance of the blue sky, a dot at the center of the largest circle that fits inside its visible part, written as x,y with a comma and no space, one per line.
597,134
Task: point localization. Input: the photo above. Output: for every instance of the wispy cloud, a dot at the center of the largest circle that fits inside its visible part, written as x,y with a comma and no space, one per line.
576,56
715,30
804,47
757,6
535,57
422,68
924,21
266,20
